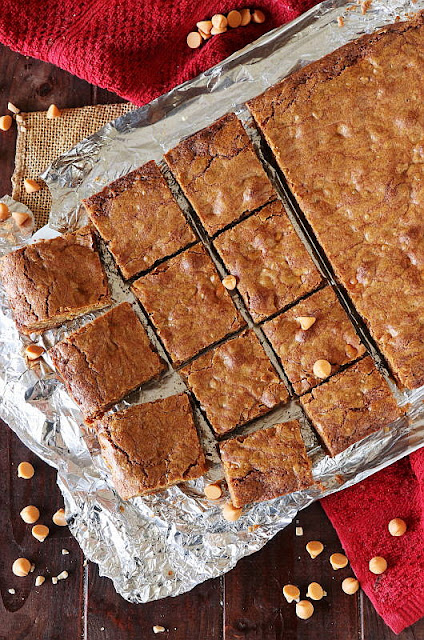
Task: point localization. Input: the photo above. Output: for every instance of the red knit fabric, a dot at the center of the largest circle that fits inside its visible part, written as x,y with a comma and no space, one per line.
360,516
138,50
135,48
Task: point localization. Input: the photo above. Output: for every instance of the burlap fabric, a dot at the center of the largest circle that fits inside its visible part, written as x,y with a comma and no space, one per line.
44,140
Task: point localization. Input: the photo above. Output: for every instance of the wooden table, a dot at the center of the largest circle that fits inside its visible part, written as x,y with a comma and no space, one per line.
247,603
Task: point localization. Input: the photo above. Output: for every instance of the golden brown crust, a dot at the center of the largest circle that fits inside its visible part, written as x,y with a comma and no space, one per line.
106,359
220,173
151,446
52,281
346,131
272,267
331,337
266,464
350,406
187,304
235,383
139,219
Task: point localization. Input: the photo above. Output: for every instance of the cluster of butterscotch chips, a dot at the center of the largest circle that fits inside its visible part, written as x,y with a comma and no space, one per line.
220,23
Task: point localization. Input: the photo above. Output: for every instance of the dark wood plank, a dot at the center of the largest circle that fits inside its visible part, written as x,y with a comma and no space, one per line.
255,608
197,614
50,611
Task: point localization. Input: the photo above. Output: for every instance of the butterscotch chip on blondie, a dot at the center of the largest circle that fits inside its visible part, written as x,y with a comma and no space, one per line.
350,406
331,337
268,259
220,173
151,446
106,359
187,303
235,383
53,281
266,464
139,219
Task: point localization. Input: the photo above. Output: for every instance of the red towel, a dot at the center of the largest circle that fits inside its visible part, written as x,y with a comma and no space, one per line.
360,516
138,49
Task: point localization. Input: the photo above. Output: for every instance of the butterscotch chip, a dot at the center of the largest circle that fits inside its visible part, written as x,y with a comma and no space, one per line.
338,561
30,514
234,19
20,217
220,173
397,527
194,39
31,186
104,360
305,322
66,272
53,112
321,369
205,36
304,609
314,548
11,107
205,26
315,591
215,31
39,580
246,17
59,518
34,351
219,21
235,383
21,567
25,470
40,532
258,16
4,211
291,593
350,586
230,282
151,446
377,565
213,491
5,123
230,512
266,464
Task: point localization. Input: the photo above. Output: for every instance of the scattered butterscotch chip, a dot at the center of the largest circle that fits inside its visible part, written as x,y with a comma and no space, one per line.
4,211
258,16
350,586
21,567
54,580
229,282
304,609
63,575
338,561
11,107
305,322
53,112
205,36
315,591
39,581
20,217
33,351
32,568
30,514
397,527
65,552
215,31
25,470
299,531
158,628
5,123
246,17
340,21
230,513
234,19
219,21
205,26
213,491
321,369
377,565
40,532
194,39
31,186
314,548
291,593
59,518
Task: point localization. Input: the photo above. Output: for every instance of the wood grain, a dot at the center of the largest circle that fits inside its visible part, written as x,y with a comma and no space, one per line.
245,604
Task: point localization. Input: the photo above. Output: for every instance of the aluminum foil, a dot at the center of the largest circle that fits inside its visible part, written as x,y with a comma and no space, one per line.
167,543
